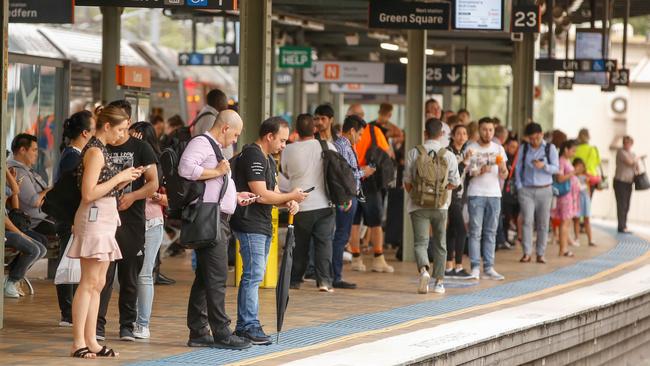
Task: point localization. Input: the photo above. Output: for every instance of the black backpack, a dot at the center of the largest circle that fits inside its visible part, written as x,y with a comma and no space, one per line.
375,156
180,191
63,200
340,184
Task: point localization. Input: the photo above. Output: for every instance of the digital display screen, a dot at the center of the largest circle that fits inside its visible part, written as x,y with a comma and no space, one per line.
589,45
478,14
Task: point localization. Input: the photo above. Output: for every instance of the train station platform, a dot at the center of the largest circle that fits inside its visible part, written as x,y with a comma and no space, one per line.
385,322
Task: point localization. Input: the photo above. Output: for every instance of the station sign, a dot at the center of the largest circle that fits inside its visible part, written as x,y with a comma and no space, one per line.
345,72
565,83
587,65
525,19
620,77
41,11
478,14
173,4
355,88
207,59
445,74
133,76
295,57
401,14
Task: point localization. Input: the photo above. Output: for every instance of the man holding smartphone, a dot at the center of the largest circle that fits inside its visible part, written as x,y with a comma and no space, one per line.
254,171
129,152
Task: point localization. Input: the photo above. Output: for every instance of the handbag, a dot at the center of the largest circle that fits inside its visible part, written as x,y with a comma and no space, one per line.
69,269
641,181
603,184
20,219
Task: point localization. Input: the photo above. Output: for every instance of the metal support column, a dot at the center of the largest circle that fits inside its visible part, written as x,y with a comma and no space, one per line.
254,66
324,94
338,105
4,66
298,94
111,36
415,91
523,69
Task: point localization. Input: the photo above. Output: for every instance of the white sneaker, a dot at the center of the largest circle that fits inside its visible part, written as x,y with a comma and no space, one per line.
491,274
476,273
11,290
574,243
423,287
439,288
347,257
141,332
65,323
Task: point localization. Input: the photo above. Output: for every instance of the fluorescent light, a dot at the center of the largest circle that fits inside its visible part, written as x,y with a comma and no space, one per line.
429,52
378,36
389,46
404,60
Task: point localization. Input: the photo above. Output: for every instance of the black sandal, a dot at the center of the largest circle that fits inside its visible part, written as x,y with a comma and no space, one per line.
106,352
81,353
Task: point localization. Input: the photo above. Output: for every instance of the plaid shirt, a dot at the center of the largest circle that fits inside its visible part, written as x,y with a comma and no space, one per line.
344,148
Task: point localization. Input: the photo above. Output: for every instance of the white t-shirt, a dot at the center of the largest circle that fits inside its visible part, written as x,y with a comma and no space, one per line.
485,185
302,164
446,133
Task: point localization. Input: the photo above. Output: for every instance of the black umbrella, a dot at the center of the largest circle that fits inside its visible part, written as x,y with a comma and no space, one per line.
282,289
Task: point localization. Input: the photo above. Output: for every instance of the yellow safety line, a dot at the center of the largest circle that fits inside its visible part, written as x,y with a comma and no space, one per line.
443,316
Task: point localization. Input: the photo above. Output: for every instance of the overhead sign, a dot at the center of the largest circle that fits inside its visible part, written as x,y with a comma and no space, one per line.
283,78
174,4
344,72
401,14
478,14
207,59
620,77
525,19
133,76
354,88
41,11
295,57
588,65
565,83
226,54
445,74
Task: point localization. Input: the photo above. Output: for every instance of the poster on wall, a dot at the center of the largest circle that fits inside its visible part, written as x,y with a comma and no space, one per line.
478,15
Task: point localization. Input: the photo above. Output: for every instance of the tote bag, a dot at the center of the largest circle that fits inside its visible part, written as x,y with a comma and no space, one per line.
69,269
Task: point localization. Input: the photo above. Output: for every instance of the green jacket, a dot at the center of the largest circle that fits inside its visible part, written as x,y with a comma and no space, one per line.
590,155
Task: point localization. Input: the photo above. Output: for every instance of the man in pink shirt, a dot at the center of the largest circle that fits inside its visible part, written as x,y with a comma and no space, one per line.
206,308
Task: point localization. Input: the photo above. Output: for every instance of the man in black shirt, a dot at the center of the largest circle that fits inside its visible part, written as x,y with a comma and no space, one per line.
255,172
130,234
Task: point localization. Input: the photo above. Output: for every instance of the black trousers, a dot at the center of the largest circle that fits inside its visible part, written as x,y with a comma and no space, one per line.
206,309
315,226
623,193
65,292
456,232
130,237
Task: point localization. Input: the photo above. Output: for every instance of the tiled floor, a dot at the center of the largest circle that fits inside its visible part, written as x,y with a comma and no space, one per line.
31,335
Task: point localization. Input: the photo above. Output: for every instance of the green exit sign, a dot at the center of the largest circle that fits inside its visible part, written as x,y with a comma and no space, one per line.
295,57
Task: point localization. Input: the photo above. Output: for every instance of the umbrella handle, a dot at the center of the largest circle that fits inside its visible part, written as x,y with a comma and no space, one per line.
291,219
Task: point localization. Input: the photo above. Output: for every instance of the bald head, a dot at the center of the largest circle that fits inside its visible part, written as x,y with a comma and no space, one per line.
356,109
227,127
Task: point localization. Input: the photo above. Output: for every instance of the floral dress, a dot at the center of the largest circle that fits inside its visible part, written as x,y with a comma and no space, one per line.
568,206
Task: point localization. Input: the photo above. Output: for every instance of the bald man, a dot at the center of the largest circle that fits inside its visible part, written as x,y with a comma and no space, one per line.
356,109
203,160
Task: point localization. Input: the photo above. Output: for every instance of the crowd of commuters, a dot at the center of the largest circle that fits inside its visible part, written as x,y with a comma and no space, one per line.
471,188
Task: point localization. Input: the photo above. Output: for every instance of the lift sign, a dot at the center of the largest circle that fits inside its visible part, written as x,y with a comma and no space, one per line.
400,14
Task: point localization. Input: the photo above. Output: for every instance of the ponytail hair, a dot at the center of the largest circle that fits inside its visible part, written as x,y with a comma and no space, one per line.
75,125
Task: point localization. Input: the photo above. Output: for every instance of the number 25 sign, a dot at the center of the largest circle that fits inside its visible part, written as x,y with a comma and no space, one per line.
525,19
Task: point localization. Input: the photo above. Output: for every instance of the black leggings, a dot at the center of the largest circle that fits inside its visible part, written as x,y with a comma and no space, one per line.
456,232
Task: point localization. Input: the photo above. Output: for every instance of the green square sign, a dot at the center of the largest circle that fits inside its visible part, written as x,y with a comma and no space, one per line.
295,57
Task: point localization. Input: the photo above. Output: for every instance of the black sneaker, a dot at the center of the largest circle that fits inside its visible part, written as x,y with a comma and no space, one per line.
294,286
462,274
126,335
450,273
232,342
161,279
256,335
344,285
203,341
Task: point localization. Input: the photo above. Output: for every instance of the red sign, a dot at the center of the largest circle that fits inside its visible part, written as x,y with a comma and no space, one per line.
133,76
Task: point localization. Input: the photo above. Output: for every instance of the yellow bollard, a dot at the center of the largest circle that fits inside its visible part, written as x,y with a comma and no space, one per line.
271,274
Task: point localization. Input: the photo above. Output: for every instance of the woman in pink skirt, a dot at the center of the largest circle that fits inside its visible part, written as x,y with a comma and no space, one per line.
567,206
94,228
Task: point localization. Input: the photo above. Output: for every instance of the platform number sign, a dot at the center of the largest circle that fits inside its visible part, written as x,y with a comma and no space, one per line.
525,19
565,83
620,77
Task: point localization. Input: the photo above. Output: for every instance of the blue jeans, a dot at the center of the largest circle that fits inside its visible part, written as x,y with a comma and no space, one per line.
341,236
254,250
30,250
483,222
152,241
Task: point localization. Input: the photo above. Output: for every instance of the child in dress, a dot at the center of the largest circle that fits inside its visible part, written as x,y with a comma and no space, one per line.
584,213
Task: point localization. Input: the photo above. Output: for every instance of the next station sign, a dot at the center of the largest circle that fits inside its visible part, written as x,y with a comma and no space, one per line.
401,14
188,4
41,11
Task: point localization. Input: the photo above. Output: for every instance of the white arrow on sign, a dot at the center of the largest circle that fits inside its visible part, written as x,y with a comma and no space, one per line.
453,77
610,65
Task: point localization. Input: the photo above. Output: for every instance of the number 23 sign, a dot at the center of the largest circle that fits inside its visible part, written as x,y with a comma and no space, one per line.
525,19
